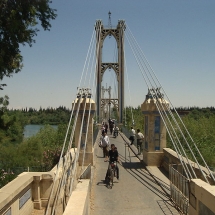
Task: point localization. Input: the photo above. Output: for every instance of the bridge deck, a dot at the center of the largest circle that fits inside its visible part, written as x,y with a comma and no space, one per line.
138,191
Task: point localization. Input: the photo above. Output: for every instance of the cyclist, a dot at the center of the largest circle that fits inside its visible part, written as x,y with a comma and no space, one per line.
115,131
113,157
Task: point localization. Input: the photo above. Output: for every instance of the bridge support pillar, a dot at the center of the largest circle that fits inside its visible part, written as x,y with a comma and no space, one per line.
87,131
36,192
155,131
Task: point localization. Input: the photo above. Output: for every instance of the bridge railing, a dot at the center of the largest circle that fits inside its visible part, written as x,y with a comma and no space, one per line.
30,190
179,189
197,187
170,157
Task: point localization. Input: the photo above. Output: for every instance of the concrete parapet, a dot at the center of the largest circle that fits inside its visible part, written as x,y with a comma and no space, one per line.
22,194
78,203
31,190
171,157
202,198
87,160
152,158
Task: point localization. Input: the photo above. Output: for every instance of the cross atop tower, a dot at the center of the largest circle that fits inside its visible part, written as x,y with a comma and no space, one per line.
109,20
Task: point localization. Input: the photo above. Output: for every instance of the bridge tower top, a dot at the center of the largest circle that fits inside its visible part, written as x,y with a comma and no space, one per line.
118,67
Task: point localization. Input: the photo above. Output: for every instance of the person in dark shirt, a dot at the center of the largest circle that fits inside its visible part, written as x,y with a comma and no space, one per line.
113,157
113,154
106,127
111,128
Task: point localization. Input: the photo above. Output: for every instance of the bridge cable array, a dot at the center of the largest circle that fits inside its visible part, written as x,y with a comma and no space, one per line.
172,121
66,167
129,92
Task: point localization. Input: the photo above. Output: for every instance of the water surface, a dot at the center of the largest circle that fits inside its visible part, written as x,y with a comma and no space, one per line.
30,130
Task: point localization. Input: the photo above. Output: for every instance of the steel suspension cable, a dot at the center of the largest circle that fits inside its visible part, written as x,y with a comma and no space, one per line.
142,56
162,110
143,70
181,132
84,82
67,155
93,89
59,164
61,183
89,114
187,143
179,118
78,148
129,92
55,178
89,60
172,115
98,35
172,139
95,86
137,60
86,59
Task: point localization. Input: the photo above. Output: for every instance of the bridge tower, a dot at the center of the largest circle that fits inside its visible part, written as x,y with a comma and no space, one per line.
118,67
155,131
86,110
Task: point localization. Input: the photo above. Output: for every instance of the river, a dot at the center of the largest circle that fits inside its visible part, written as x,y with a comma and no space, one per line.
30,130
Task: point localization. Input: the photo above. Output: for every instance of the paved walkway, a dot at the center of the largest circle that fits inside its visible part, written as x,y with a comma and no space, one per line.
138,191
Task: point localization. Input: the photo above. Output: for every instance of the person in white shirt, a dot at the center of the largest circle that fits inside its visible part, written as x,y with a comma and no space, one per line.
105,142
132,137
140,139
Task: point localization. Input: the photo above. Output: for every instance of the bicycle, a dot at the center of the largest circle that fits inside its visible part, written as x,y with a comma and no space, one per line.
111,174
115,134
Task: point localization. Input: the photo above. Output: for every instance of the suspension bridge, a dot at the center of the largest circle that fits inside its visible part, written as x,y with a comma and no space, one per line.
158,181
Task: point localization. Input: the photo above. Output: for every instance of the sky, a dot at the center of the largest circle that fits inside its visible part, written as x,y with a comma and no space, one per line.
177,37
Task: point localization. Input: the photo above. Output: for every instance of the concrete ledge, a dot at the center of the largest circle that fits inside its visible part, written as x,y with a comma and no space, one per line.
13,188
78,203
88,158
203,198
153,158
11,192
171,157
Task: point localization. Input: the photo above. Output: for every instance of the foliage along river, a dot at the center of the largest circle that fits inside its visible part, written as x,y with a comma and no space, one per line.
30,130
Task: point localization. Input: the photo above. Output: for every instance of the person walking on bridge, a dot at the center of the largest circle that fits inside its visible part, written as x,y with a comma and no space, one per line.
140,139
132,137
105,143
111,126
106,127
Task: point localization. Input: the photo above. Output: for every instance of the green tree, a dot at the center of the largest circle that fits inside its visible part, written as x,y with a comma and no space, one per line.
138,118
18,21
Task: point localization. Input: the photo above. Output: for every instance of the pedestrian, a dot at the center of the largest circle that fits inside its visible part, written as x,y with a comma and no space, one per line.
111,125
103,129
132,137
106,127
115,131
140,139
105,143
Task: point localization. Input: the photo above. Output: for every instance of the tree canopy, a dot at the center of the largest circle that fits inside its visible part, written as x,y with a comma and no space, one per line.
18,25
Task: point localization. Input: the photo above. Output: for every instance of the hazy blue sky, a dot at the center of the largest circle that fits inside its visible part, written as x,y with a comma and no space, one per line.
177,37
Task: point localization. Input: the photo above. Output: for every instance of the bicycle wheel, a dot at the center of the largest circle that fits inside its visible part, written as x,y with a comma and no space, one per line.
111,177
